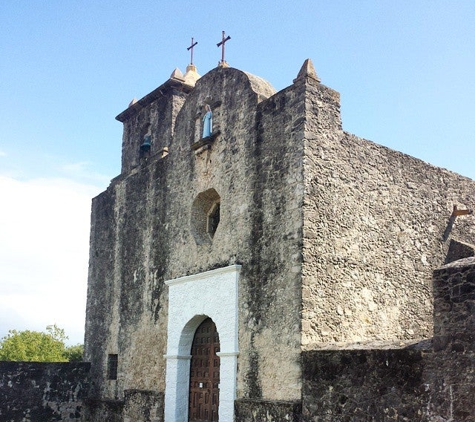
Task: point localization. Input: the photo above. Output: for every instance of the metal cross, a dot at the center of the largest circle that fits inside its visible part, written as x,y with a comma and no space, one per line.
191,48
221,44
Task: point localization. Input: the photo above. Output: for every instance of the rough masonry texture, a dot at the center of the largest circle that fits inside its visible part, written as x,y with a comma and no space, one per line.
336,240
426,381
42,392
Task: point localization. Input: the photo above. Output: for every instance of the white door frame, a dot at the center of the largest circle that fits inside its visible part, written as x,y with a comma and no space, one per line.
191,300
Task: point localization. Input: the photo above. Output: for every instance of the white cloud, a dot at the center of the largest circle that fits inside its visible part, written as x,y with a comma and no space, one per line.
44,243
3,153
82,171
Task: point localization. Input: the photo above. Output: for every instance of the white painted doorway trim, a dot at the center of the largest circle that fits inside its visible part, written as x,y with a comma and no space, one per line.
191,300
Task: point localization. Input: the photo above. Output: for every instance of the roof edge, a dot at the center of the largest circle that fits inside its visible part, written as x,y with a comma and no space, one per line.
161,91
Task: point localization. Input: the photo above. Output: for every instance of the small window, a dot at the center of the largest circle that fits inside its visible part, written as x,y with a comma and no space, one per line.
205,216
213,219
112,367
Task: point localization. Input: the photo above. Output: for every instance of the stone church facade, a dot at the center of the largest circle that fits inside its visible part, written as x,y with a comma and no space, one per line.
247,272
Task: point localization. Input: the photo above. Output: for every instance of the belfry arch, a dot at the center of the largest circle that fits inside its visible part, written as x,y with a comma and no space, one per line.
218,292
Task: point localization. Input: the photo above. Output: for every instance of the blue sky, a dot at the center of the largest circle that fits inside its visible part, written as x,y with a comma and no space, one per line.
67,68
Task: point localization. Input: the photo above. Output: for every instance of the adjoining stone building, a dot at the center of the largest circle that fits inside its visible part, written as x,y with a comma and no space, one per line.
278,244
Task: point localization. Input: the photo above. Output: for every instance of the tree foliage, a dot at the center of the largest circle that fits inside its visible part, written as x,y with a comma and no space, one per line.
35,346
75,353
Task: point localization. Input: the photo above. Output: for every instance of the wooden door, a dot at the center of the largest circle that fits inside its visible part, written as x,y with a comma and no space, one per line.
204,374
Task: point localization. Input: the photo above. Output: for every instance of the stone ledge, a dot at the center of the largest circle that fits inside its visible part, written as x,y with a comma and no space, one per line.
205,141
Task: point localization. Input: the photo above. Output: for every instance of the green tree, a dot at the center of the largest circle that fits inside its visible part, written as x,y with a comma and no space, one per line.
34,346
74,353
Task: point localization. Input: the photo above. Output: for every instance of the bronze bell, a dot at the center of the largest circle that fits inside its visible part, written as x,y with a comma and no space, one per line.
145,147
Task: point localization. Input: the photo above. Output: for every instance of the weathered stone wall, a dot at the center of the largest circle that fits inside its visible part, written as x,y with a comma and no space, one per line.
126,311
143,406
458,250
336,238
103,410
153,116
450,372
141,236
102,293
363,385
454,307
128,255
42,392
253,166
430,381
271,294
376,222
248,410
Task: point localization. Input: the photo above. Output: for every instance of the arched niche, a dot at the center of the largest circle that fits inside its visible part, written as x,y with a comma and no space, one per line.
205,216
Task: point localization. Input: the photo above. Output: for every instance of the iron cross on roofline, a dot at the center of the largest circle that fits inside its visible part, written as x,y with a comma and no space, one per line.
191,47
221,44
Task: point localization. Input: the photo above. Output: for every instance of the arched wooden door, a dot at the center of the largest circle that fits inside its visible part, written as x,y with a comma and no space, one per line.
204,374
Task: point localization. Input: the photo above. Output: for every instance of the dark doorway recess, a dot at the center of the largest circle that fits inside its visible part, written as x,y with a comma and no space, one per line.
204,374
